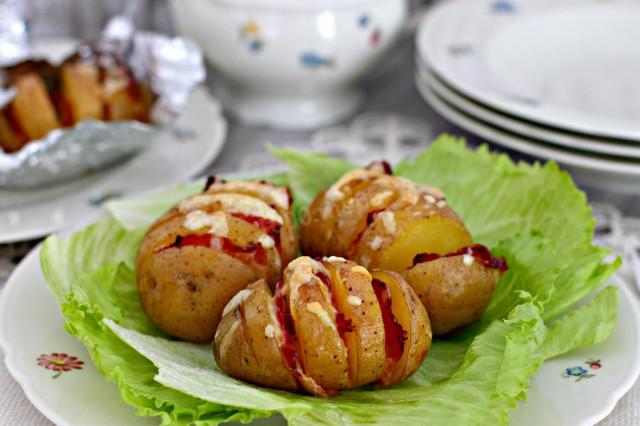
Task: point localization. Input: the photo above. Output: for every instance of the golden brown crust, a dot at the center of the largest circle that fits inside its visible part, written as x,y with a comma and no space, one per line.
454,293
198,255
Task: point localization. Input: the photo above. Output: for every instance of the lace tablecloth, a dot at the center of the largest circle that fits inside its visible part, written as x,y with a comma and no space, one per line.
390,96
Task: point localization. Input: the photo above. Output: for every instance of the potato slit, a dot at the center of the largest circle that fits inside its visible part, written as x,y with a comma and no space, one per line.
339,300
245,327
396,333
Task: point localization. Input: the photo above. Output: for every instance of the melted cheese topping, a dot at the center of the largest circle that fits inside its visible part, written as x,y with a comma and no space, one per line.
430,199
269,331
334,194
198,219
232,203
316,308
266,241
354,300
334,259
302,270
278,195
379,199
239,298
389,221
375,244
467,259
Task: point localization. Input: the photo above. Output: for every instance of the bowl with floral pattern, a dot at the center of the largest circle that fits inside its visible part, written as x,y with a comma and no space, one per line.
291,63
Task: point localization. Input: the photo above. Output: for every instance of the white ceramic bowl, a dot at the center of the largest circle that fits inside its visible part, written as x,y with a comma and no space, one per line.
291,63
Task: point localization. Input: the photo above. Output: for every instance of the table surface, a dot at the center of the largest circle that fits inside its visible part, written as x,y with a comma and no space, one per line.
389,89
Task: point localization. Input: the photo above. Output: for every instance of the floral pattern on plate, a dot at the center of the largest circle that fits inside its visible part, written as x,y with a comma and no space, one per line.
580,372
59,362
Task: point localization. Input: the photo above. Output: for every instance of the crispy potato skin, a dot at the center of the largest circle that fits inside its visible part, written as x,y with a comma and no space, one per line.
245,344
454,294
184,288
310,291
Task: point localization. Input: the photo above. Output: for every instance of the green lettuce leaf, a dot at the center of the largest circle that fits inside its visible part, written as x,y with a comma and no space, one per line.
531,214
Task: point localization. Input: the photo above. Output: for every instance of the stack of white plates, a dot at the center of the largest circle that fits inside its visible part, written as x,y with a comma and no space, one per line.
557,80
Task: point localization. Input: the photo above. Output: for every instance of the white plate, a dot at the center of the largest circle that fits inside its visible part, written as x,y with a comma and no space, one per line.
177,154
601,172
71,398
573,64
526,128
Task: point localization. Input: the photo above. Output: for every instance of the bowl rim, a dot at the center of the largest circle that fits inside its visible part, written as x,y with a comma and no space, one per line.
302,5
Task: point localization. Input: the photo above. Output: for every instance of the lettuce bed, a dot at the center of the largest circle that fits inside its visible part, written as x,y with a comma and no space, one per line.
531,214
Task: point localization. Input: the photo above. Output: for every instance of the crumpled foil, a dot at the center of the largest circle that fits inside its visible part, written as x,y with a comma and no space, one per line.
170,66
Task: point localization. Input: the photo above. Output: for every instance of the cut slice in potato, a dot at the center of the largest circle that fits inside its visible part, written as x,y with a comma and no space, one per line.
413,318
81,91
32,108
323,352
351,287
10,139
251,326
411,225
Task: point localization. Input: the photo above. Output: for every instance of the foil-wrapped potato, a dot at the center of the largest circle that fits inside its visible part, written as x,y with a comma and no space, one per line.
91,84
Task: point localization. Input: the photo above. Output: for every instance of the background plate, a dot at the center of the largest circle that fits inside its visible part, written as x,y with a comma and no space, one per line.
606,173
543,134
571,64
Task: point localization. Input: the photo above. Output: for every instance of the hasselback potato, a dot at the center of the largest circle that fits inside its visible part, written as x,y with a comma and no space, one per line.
330,325
383,221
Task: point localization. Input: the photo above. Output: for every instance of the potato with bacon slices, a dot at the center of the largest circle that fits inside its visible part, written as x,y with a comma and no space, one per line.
330,325
209,247
383,221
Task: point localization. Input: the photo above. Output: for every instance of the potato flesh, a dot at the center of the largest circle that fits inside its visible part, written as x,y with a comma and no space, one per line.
435,234
33,108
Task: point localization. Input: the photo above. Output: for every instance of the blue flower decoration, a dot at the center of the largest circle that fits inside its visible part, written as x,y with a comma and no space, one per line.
313,60
506,7
576,371
363,21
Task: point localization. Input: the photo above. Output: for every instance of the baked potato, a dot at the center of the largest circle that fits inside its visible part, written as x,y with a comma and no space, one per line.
91,84
383,221
207,248
380,221
330,325
455,288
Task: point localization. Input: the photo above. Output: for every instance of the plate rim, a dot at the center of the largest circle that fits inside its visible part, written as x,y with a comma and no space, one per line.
522,143
590,145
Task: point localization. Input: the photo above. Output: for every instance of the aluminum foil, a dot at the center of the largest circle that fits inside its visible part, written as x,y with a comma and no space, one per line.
170,66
